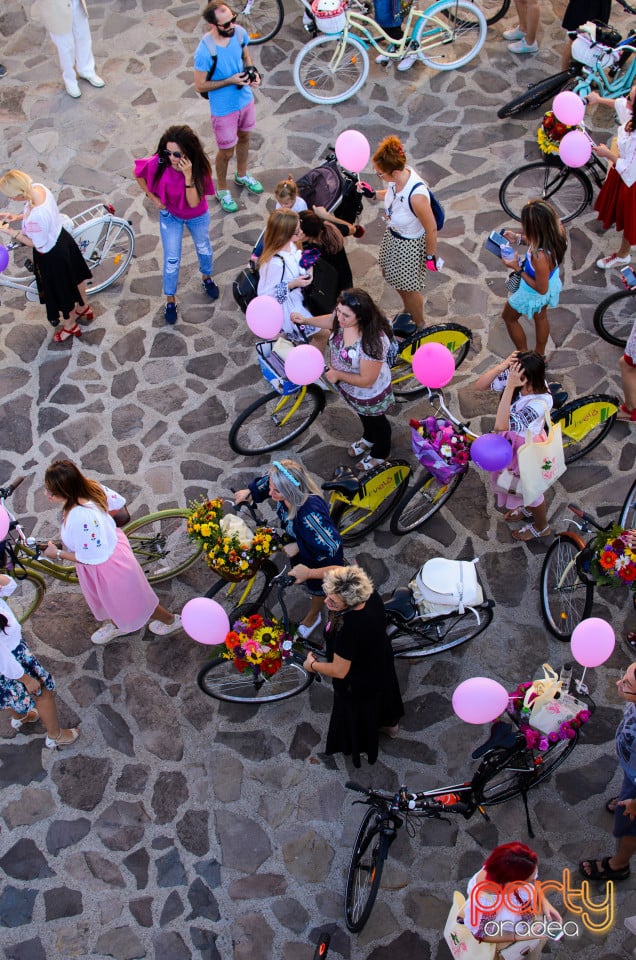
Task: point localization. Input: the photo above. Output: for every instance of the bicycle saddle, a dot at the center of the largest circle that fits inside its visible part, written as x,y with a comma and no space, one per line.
501,735
344,480
402,603
559,395
403,325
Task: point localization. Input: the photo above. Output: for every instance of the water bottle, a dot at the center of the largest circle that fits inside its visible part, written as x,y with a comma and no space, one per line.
566,677
507,253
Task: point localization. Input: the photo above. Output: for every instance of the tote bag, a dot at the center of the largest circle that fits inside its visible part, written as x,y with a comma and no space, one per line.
461,943
541,462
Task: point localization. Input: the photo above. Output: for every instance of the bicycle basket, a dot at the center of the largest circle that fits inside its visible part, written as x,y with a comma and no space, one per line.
430,449
271,359
590,53
446,586
330,15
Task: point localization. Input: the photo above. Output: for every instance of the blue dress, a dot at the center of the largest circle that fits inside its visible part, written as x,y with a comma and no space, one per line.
527,301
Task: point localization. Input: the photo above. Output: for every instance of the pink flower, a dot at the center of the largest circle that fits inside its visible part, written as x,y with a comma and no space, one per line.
543,743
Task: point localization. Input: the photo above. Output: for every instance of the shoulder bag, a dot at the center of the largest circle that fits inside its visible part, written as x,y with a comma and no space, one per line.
541,462
321,294
461,943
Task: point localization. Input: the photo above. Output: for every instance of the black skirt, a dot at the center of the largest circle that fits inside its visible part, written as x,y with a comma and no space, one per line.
58,274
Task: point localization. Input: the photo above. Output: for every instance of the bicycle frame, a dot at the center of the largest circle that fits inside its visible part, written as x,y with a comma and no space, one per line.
359,25
371,494
598,77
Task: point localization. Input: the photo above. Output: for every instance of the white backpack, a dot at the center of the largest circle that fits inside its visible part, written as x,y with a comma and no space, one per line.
446,586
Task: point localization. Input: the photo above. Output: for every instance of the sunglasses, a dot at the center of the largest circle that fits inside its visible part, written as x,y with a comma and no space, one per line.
348,300
173,153
228,23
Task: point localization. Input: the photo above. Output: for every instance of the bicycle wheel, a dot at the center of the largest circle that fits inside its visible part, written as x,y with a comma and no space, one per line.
568,190
275,420
565,599
426,637
220,679
455,337
505,774
419,504
380,490
107,245
365,871
614,317
161,544
331,69
450,34
585,423
627,518
246,592
262,19
27,596
535,95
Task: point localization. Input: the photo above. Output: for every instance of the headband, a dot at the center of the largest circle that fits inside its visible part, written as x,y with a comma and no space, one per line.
286,473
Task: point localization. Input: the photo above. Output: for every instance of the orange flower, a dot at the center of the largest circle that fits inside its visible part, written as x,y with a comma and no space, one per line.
607,559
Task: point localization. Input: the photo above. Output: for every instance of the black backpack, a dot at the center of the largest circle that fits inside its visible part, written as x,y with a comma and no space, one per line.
245,286
211,47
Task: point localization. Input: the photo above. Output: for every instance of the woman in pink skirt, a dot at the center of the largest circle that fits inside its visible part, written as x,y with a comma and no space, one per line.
114,585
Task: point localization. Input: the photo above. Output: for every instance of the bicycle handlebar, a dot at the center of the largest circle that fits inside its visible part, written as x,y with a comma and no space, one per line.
582,515
7,491
409,802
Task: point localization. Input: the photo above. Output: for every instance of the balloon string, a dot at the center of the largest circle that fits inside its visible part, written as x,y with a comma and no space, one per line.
583,130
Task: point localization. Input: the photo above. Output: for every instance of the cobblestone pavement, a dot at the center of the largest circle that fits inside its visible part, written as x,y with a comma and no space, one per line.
178,827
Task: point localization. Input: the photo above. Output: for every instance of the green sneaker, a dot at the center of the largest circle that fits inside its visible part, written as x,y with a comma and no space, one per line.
227,203
253,185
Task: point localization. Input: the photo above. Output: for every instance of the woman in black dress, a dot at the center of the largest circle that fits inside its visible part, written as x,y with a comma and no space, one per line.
367,698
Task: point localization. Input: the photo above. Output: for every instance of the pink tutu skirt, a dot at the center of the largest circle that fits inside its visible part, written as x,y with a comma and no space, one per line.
117,589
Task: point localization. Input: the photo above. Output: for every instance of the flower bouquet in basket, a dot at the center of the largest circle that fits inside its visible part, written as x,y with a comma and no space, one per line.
440,448
551,133
614,563
231,549
257,644
563,725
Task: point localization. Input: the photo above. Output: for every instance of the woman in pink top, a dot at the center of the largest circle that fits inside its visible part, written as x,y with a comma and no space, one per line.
178,178
60,269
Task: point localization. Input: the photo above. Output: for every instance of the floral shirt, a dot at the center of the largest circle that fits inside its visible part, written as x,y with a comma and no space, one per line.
89,532
374,399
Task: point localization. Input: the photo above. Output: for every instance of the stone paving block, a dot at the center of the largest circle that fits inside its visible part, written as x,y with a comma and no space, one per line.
252,937
24,861
16,906
171,946
81,781
203,903
61,902
121,943
27,950
33,805
231,829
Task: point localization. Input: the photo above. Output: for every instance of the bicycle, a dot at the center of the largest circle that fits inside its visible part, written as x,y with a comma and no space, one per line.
614,317
567,587
334,66
276,419
263,19
158,540
585,422
107,243
568,189
509,769
607,68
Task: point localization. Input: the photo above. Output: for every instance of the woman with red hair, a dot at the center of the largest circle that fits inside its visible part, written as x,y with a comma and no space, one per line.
512,868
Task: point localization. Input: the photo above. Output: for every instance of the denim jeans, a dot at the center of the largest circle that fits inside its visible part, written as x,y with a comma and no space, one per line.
171,239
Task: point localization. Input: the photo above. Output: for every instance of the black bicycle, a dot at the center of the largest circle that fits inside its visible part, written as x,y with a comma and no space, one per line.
508,769
614,317
568,189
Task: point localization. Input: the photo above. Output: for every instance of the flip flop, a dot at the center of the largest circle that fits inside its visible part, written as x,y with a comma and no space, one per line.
604,871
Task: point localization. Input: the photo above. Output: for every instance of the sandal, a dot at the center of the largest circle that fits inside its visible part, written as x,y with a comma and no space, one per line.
519,513
530,532
369,463
610,806
64,738
61,335
359,448
629,416
30,717
604,871
86,313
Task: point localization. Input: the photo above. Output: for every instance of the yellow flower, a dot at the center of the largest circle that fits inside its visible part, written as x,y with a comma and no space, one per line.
205,530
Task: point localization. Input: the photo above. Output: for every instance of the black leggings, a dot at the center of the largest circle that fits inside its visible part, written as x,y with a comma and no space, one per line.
377,430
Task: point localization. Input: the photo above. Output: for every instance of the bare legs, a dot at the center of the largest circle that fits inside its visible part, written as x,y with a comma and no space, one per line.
628,379
413,301
529,13
517,333
224,156
163,615
47,709
315,609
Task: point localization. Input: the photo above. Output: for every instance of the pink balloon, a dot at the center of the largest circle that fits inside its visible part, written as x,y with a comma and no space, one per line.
592,642
353,150
4,523
575,149
4,258
479,700
264,316
205,621
568,108
433,365
304,364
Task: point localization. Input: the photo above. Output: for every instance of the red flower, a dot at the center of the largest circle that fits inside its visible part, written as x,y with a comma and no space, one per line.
270,667
255,621
627,574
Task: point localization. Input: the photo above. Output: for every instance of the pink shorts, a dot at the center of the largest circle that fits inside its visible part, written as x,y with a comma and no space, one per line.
227,128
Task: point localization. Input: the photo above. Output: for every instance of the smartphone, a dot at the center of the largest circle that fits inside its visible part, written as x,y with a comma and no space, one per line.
497,238
629,277
552,936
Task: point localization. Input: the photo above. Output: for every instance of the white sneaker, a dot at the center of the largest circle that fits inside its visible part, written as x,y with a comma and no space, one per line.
72,88
93,79
306,630
165,629
106,633
382,57
522,47
606,263
515,34
407,62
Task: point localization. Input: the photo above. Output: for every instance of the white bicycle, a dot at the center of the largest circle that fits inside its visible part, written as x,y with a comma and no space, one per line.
107,243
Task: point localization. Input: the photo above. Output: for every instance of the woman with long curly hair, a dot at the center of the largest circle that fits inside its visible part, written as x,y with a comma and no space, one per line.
177,179
409,244
359,347
540,284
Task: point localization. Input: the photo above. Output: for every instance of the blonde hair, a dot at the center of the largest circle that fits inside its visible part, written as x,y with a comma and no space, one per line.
15,183
286,190
351,584
293,483
390,155
281,227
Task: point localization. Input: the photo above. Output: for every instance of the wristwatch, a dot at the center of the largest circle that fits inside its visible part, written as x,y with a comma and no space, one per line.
59,554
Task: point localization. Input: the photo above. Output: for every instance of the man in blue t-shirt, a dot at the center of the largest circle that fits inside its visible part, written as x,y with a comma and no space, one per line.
623,807
223,56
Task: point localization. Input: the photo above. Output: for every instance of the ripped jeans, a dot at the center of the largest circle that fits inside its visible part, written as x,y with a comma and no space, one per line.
171,239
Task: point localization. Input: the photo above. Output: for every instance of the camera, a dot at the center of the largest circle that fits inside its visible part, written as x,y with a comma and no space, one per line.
251,73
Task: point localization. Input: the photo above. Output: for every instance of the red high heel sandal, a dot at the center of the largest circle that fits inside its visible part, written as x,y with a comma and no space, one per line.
86,313
61,335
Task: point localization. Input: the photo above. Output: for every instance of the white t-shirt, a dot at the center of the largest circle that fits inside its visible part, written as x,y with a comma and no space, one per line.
502,914
297,206
398,209
42,224
89,532
273,280
528,411
11,637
